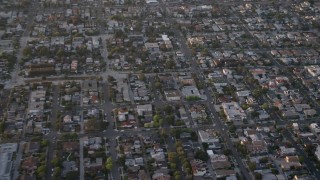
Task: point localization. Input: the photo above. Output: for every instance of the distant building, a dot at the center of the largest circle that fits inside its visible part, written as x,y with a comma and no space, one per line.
183,113
317,153
6,155
290,161
144,109
287,151
190,91
233,111
160,176
172,95
151,2
90,85
152,47
206,137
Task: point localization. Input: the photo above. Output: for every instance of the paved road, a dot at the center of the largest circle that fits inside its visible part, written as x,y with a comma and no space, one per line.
14,78
18,160
81,160
110,133
53,134
223,130
107,107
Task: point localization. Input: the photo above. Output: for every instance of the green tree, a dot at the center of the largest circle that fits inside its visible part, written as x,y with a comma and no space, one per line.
92,124
43,51
274,109
56,161
274,171
170,119
176,173
205,146
158,85
173,166
72,175
163,133
57,172
117,18
111,79
192,98
27,51
200,154
186,164
156,117
142,77
82,51
227,152
232,128
121,160
259,92
177,177
221,113
194,136
168,109
256,93
170,64
265,106
180,150
44,143
252,165
254,114
301,159
155,124
242,148
205,52
244,106
2,127
60,53
172,156
257,176
41,170
119,34
263,160
109,164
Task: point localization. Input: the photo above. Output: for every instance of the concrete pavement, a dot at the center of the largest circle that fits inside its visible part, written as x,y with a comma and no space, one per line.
53,134
18,160
81,160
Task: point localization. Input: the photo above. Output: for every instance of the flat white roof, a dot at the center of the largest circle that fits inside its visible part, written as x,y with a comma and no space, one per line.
151,1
